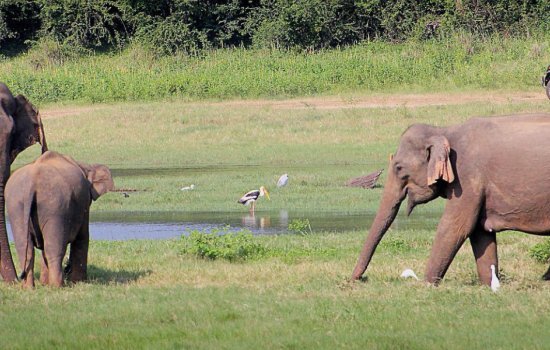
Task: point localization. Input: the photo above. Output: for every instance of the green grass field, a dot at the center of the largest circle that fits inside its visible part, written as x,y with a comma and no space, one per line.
149,294
145,294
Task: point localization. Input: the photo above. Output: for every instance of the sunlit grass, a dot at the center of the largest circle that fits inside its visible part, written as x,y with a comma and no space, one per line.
144,294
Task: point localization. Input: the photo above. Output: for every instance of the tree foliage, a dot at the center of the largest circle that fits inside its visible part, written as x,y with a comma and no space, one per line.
170,26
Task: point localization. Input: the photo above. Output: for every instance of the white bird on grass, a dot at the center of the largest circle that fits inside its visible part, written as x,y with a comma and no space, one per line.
283,180
495,283
250,197
188,188
409,273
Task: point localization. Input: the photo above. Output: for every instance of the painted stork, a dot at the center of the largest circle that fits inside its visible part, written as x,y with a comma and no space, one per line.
249,198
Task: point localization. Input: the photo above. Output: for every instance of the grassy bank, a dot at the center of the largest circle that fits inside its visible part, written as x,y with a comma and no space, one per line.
453,64
147,294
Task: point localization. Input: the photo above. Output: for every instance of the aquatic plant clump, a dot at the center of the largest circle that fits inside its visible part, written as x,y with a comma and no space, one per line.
300,226
222,244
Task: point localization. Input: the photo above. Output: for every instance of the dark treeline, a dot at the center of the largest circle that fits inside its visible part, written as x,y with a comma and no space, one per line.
169,26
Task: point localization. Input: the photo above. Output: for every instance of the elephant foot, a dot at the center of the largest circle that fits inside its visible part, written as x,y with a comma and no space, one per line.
363,279
546,276
44,278
28,283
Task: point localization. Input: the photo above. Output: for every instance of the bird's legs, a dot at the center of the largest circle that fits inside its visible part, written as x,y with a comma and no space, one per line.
252,207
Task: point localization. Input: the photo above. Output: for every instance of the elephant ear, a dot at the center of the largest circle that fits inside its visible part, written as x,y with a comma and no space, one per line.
28,127
101,180
439,163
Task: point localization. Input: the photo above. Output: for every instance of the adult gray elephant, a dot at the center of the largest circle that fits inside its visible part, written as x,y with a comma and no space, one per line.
494,174
20,127
48,204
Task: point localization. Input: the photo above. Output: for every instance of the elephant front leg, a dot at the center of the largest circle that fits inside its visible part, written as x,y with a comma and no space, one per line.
484,246
55,235
457,223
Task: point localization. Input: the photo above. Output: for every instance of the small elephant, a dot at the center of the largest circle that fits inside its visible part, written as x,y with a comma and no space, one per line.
493,173
48,204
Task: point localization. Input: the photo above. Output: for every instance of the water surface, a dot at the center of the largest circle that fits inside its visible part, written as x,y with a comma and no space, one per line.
162,225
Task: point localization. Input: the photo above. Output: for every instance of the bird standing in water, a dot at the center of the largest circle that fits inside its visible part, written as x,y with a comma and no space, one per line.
250,198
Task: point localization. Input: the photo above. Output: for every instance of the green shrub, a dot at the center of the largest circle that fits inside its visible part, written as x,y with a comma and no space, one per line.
47,52
171,35
300,226
84,23
18,22
189,25
541,252
222,244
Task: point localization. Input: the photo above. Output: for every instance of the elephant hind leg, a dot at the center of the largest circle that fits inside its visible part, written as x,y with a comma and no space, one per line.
25,251
484,246
78,258
28,271
44,273
546,276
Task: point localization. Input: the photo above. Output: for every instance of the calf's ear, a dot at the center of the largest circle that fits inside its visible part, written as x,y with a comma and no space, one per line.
101,180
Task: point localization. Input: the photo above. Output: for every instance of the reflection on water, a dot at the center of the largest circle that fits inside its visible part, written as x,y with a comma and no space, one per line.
163,225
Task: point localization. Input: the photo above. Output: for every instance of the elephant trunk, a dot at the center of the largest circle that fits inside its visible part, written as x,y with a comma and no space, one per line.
389,207
7,268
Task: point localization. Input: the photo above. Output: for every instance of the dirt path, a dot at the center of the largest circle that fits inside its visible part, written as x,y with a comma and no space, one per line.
337,102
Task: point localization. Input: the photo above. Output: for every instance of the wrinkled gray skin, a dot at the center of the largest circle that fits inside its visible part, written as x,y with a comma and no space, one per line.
494,174
48,204
20,127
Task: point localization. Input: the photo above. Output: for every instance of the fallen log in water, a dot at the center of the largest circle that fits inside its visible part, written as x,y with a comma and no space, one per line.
367,181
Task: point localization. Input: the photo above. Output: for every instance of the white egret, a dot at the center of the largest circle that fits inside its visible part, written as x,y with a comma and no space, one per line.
495,283
409,273
283,180
250,197
188,188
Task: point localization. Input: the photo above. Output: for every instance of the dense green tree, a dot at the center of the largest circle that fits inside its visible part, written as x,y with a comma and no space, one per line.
169,26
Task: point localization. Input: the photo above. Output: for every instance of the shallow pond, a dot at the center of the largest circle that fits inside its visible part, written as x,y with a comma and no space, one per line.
163,225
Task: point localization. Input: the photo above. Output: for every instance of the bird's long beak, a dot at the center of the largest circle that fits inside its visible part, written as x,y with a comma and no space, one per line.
267,194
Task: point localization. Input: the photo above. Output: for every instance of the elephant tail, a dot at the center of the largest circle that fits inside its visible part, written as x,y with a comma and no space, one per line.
24,225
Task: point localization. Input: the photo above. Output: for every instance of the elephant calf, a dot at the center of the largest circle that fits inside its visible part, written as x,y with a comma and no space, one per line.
48,204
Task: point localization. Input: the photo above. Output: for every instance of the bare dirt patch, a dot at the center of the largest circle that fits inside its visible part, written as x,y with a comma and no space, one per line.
342,102
392,100
67,111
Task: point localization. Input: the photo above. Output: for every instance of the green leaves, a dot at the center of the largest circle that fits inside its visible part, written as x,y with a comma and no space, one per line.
541,252
188,26
222,244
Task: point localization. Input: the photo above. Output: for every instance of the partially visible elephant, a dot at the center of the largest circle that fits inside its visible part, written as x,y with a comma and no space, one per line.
20,127
494,174
48,203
